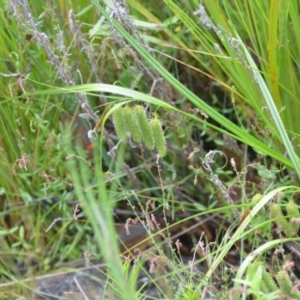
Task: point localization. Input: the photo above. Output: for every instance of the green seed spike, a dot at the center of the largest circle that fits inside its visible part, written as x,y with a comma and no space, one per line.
145,127
293,212
281,221
286,285
120,123
159,137
132,124
268,281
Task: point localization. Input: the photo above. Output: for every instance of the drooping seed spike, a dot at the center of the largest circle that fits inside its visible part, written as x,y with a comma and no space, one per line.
145,127
159,137
119,122
132,124
281,221
293,212
286,285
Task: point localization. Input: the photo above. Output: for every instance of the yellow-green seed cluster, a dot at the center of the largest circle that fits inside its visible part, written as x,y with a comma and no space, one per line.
159,137
133,120
268,284
286,285
144,126
132,124
119,121
289,228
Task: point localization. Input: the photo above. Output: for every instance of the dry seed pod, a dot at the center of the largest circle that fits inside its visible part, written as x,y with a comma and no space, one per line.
145,127
159,137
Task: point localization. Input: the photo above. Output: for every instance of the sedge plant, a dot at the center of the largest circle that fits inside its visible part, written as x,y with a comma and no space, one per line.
39,183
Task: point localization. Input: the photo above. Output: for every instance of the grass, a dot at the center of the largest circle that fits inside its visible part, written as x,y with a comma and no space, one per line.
221,79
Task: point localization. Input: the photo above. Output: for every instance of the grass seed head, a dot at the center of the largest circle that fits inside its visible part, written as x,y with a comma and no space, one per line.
159,137
119,121
132,124
145,127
